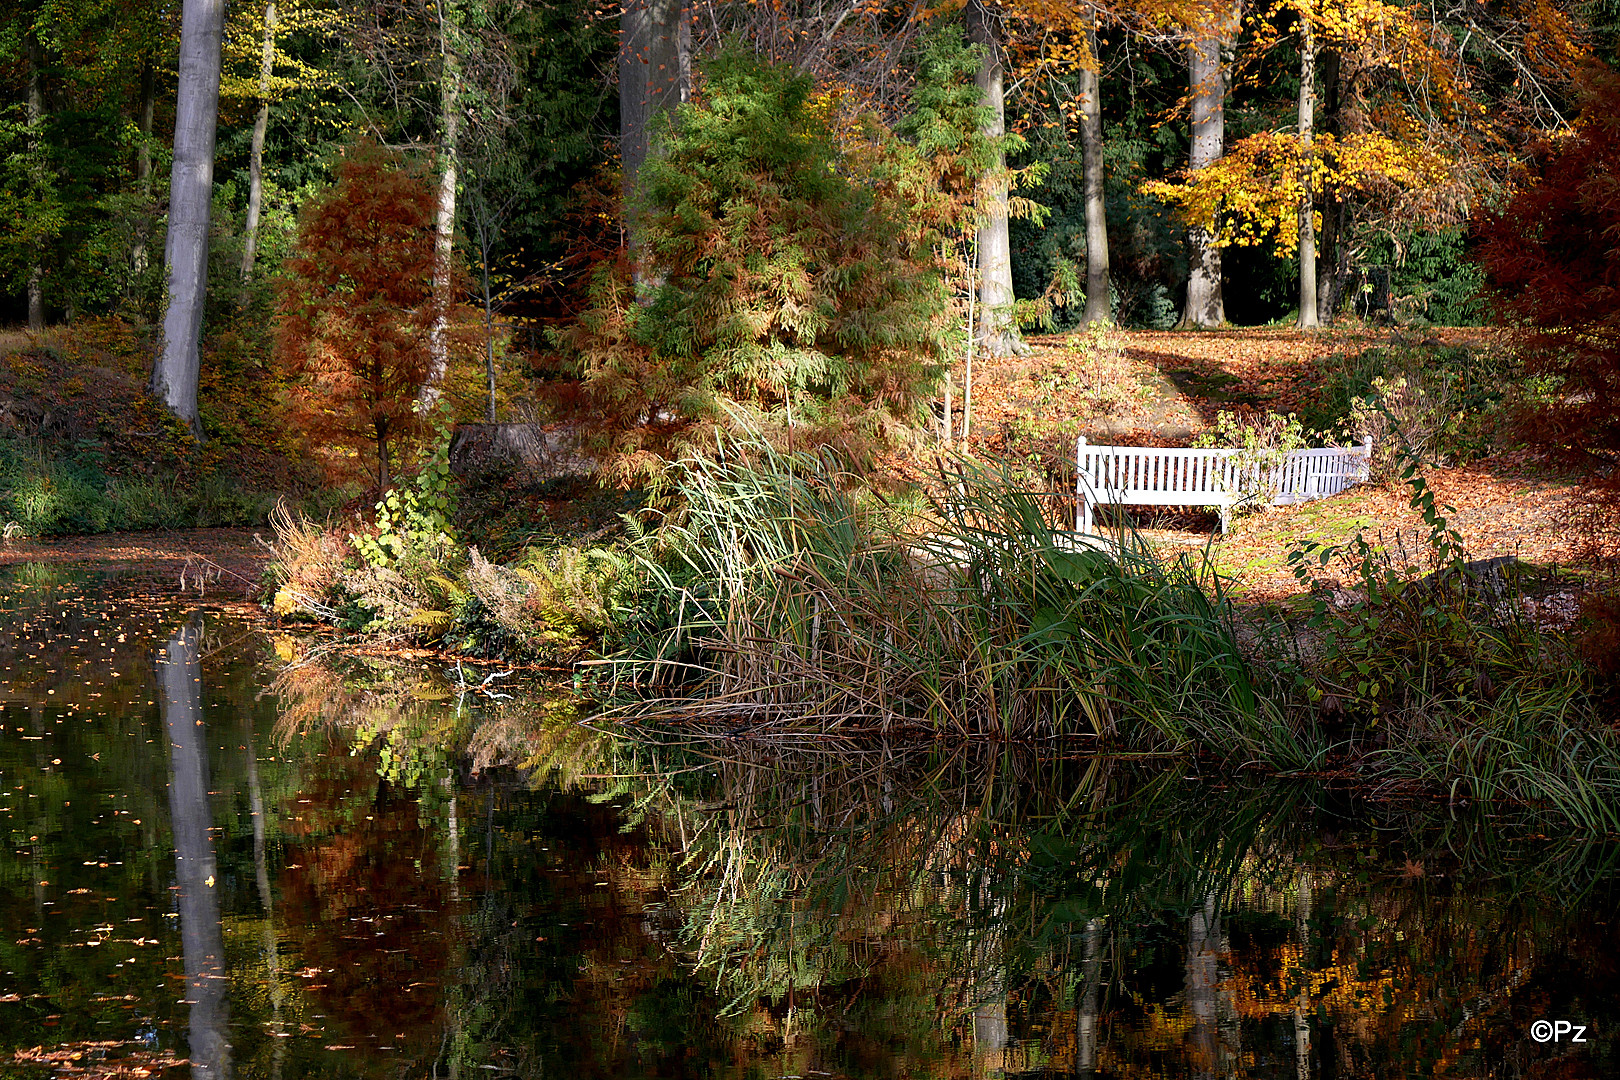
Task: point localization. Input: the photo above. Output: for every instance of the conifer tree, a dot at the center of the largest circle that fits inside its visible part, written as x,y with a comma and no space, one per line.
358,306
782,277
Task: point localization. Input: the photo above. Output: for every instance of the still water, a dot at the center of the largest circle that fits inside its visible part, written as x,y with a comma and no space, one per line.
231,853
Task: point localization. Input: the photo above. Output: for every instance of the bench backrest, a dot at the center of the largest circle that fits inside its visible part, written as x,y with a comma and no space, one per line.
1180,476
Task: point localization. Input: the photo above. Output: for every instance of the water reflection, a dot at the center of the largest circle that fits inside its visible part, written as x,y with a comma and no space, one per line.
180,694
409,880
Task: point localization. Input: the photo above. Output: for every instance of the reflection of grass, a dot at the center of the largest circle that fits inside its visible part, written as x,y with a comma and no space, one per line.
40,576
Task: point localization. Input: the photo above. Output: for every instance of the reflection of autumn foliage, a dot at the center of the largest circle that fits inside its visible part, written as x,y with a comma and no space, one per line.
365,899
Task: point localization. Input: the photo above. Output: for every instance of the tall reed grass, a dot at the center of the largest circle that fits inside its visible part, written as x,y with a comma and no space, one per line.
796,599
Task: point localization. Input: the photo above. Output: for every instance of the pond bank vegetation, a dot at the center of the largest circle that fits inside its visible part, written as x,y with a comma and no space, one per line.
771,592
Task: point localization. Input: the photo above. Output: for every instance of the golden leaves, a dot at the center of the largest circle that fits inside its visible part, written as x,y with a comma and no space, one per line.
1253,193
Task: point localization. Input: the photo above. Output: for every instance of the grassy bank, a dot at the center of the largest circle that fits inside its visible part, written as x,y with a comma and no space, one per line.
775,592
84,448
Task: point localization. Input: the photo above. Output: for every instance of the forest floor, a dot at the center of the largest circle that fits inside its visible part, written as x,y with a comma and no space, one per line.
1164,388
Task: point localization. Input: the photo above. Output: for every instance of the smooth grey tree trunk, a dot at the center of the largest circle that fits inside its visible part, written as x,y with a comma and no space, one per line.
202,939
1330,244
655,75
1307,120
191,186
36,123
143,165
998,332
1099,304
444,227
1208,83
261,125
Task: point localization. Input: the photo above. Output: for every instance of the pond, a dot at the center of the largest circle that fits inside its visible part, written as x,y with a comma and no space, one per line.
235,852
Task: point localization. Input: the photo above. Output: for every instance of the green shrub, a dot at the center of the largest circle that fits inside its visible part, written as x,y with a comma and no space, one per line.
1432,279
1452,403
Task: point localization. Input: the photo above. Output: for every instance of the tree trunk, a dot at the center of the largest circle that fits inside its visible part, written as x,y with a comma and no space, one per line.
1331,246
998,333
444,228
1207,79
1099,305
191,186
202,939
261,123
381,428
143,165
655,74
1307,207
36,123
484,243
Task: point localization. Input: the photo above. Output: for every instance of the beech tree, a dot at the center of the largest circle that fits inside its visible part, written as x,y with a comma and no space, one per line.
191,189
358,305
1207,88
655,75
998,331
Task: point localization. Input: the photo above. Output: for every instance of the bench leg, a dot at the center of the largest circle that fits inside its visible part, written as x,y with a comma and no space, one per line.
1226,518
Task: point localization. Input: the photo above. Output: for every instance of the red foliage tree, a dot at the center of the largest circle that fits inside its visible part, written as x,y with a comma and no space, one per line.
1552,257
357,303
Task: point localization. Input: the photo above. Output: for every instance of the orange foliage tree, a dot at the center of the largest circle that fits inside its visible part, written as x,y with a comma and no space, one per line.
357,305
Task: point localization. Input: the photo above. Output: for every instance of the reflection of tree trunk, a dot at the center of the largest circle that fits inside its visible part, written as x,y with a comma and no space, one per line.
452,830
179,675
261,873
1086,1011
990,980
1099,305
1302,999
1203,978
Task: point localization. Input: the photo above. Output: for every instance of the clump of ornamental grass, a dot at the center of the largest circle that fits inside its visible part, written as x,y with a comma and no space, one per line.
795,600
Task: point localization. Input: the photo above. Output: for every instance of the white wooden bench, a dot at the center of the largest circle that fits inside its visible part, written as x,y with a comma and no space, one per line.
1178,476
